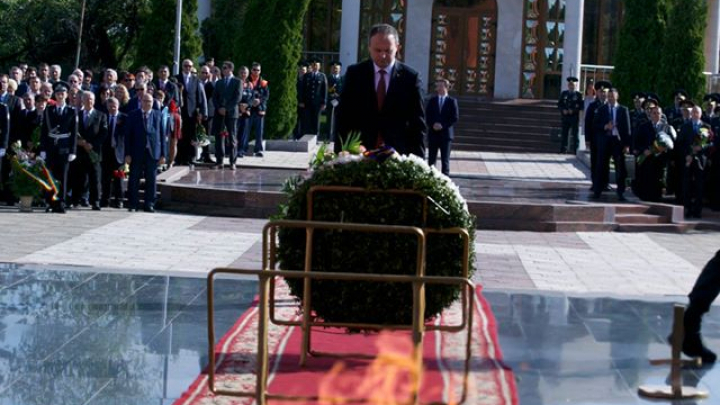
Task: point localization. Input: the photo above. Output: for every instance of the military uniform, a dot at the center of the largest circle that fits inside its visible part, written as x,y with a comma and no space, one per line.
570,104
314,99
258,107
335,85
58,140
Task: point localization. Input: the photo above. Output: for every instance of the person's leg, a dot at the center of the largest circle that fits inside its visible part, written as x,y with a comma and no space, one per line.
705,291
218,124
620,169
445,157
432,150
134,184
259,126
94,173
150,182
574,137
231,124
564,135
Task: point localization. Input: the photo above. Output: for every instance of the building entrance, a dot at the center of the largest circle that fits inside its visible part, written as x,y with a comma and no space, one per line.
463,46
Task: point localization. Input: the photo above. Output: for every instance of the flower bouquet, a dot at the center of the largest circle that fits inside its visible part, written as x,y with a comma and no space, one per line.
122,172
378,172
30,177
662,142
201,137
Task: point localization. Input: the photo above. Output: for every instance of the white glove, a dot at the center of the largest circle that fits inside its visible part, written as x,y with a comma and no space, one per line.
2,152
42,155
71,157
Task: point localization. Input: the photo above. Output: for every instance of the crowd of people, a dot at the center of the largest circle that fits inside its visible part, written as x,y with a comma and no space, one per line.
139,123
673,150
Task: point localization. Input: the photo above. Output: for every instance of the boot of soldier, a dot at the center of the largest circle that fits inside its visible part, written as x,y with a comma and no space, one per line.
694,347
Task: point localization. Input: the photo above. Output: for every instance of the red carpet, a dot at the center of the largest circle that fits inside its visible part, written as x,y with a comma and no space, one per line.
385,378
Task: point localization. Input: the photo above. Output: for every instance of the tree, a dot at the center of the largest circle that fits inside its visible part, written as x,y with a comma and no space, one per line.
273,37
683,61
640,47
47,31
226,21
157,40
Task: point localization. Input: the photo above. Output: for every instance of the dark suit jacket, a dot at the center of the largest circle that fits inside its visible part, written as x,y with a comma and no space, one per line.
94,131
589,118
447,117
28,122
4,126
137,134
622,121
65,123
116,137
209,87
402,118
170,90
227,96
686,138
314,89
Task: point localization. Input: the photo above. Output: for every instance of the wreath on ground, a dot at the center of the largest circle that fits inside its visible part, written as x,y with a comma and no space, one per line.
345,251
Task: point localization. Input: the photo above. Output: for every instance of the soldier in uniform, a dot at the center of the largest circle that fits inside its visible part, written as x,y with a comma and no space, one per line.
301,70
314,98
335,85
58,142
674,112
570,105
710,101
258,107
638,116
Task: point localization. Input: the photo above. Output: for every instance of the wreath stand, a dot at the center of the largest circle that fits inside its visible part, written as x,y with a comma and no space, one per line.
675,390
266,303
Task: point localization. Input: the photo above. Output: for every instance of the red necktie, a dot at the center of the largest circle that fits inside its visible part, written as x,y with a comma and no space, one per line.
381,92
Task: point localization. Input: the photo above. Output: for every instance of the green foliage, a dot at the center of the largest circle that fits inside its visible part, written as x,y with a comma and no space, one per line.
640,47
21,183
683,60
47,31
273,37
157,39
364,302
224,23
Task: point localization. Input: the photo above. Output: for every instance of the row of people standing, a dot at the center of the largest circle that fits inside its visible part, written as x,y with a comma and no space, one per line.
317,93
673,149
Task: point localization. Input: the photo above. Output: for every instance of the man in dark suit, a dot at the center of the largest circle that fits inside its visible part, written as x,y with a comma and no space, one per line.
226,98
313,99
58,142
442,114
302,69
382,99
570,104
194,108
162,82
93,130
612,131
144,151
4,144
601,88
113,154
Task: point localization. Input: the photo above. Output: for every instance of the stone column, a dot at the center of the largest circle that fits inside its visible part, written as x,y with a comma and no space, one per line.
418,36
572,47
508,53
712,38
349,32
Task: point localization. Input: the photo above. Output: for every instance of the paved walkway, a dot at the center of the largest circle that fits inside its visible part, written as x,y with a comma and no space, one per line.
118,241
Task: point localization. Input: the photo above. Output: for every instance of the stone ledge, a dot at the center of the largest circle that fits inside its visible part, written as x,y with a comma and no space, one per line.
305,144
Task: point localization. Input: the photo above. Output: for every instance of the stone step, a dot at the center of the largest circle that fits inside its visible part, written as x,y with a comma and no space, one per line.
631,209
661,228
639,219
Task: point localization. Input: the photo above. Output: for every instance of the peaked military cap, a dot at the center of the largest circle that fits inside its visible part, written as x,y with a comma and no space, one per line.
603,85
687,104
335,63
680,92
572,79
639,95
649,103
60,86
714,97
653,96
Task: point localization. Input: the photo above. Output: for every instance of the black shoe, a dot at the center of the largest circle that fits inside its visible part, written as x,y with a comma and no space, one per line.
131,209
621,198
259,154
208,159
694,347
596,195
607,188
149,209
84,203
96,207
59,208
104,204
119,204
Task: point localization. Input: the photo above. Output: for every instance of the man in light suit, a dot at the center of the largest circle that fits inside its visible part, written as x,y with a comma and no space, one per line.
442,114
226,98
382,99
612,137
194,110
93,130
144,151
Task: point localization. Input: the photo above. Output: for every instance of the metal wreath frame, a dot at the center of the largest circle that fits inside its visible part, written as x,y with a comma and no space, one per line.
266,303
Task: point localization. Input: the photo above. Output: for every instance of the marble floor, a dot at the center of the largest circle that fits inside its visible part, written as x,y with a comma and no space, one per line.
82,336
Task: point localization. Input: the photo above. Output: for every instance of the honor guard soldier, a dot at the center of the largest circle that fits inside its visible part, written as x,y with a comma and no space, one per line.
710,101
674,112
58,140
638,115
314,98
335,85
570,105
302,68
